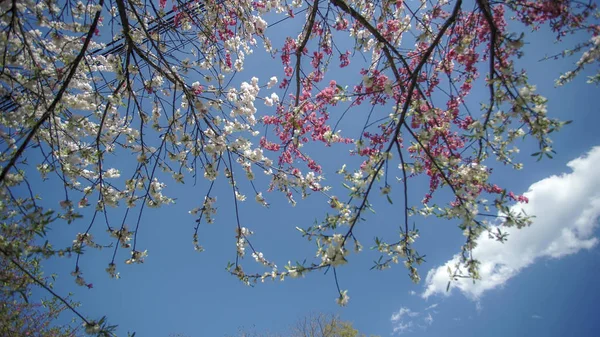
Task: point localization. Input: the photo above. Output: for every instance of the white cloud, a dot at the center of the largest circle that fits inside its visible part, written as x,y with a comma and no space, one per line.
397,316
567,210
402,327
536,316
428,319
433,306
402,320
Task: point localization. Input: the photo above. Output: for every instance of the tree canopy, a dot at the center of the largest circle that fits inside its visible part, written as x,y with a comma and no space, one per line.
110,101
313,325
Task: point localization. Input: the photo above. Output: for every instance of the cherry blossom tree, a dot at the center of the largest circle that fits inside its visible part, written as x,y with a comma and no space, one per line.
163,84
18,315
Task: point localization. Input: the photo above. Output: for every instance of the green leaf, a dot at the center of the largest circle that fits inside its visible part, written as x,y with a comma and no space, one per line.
389,199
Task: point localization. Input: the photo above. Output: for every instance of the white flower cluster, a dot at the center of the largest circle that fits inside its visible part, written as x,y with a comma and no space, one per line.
331,250
288,182
589,56
260,199
259,257
273,99
243,100
112,271
83,238
241,240
79,280
343,299
123,235
137,257
157,198
208,210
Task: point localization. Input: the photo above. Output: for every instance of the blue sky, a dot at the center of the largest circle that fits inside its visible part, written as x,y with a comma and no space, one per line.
536,290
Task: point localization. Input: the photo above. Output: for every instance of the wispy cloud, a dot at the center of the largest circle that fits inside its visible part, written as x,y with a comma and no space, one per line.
402,320
403,312
567,210
406,320
428,319
534,316
433,306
